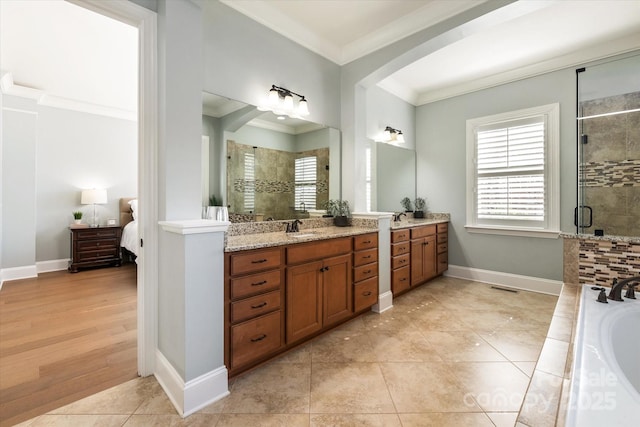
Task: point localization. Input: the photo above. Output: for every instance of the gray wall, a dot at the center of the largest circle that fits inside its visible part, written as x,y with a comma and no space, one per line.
61,152
385,109
441,172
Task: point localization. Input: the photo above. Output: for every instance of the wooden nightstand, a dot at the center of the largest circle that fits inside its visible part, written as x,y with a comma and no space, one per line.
95,247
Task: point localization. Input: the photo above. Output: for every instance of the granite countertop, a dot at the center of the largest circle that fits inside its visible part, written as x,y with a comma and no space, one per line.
264,240
413,222
605,238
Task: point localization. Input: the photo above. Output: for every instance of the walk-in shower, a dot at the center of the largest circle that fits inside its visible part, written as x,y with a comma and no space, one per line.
608,125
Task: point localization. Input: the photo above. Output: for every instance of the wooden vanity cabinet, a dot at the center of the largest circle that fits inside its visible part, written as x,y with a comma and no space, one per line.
278,297
319,286
423,254
254,317
443,247
400,261
365,271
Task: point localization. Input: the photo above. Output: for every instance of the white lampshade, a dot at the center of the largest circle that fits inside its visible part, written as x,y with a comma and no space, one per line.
303,108
93,196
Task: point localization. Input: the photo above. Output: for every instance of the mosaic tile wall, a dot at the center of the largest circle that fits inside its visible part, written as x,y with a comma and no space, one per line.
274,181
600,261
611,165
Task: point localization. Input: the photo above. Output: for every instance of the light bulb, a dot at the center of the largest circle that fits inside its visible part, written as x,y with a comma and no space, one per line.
400,137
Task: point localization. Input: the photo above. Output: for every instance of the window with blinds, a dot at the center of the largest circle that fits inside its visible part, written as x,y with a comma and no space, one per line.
513,184
249,182
510,171
305,182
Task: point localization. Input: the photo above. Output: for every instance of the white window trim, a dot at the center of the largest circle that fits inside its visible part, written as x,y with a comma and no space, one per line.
552,173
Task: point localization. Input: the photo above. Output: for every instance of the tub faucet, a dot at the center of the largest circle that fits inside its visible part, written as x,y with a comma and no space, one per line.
616,289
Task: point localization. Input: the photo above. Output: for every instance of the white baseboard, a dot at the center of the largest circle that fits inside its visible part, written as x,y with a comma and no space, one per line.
193,395
385,302
15,273
508,280
52,265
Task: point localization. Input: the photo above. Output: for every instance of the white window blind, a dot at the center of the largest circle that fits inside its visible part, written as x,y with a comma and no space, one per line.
249,182
305,182
510,171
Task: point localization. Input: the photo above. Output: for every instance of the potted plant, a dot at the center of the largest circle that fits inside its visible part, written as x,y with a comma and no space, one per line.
77,217
340,211
420,203
406,204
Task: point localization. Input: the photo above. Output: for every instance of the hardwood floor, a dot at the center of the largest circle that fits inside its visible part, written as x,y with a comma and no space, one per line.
65,336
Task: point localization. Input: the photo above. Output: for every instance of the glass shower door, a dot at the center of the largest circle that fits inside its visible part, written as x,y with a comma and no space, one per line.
608,126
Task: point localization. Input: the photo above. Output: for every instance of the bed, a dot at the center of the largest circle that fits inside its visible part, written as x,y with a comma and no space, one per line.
128,221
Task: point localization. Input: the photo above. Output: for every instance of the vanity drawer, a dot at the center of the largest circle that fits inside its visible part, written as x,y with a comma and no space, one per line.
255,261
365,272
365,294
443,237
365,257
426,230
365,241
400,261
254,284
443,228
443,247
400,248
399,236
255,306
400,279
255,338
443,262
320,249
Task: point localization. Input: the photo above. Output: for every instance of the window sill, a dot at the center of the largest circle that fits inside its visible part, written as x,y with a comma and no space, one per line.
509,231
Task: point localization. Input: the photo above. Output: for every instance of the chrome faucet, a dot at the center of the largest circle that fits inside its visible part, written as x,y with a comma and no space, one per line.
616,289
292,227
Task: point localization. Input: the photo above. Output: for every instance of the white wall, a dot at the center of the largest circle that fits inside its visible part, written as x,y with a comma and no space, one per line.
66,151
441,172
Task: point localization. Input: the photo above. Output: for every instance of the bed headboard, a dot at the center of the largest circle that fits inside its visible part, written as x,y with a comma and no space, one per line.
125,211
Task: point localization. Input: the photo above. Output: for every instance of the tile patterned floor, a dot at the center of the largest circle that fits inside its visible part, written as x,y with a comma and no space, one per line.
450,353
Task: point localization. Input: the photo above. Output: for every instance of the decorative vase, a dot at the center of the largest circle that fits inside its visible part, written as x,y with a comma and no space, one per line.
77,221
418,214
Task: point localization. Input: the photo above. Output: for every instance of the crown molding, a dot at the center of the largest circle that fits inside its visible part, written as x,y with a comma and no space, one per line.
8,87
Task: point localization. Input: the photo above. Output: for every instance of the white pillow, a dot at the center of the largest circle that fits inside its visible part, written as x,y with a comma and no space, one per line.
134,208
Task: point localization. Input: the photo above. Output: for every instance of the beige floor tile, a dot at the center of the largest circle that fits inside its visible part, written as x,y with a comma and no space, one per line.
560,328
442,419
426,387
553,357
517,346
495,386
149,420
402,346
157,402
263,420
542,400
526,367
355,420
342,346
349,388
275,388
438,320
503,419
458,346
76,421
300,354
122,399
511,318
395,319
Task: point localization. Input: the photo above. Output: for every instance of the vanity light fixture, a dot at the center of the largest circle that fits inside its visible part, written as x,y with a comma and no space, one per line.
280,101
392,135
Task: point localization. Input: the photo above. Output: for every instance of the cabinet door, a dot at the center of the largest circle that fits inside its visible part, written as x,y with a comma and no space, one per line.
423,259
337,289
304,300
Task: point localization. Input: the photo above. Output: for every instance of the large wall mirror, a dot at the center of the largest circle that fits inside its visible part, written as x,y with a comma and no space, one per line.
393,176
266,167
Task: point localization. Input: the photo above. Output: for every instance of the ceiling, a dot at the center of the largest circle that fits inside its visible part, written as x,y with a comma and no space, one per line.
48,47
531,37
